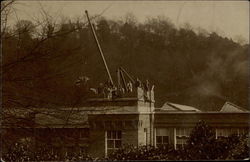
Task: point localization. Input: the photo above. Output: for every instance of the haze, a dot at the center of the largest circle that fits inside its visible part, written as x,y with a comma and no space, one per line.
228,18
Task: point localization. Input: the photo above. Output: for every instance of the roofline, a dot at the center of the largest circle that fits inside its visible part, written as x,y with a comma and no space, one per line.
227,102
111,99
173,105
169,103
120,113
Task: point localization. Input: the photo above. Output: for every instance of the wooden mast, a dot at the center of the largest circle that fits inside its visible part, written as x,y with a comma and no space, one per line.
99,48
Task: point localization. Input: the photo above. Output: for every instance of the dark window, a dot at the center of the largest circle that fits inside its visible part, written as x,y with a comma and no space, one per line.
162,137
114,140
182,134
162,140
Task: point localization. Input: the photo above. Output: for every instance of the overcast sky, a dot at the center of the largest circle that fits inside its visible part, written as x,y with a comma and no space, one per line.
228,18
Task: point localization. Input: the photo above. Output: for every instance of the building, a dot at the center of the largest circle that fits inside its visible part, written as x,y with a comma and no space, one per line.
173,122
136,121
104,124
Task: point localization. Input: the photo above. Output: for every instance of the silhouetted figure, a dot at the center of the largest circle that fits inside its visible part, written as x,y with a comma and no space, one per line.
137,83
129,86
146,87
101,89
114,92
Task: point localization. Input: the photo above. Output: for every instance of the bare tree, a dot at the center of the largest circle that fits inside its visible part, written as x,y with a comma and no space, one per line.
33,47
6,9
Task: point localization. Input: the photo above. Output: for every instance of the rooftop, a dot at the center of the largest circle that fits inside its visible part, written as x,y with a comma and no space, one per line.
168,106
230,107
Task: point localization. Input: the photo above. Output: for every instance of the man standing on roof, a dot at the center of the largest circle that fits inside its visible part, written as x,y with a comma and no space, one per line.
147,85
114,92
129,86
101,89
137,83
146,89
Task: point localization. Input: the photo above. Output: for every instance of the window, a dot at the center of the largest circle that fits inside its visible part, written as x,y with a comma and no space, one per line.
247,132
243,131
225,132
162,137
182,134
235,131
113,140
180,142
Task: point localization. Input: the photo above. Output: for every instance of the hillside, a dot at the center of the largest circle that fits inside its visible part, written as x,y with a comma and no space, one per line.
186,66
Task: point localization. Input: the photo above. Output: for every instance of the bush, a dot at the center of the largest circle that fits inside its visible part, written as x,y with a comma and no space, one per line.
201,145
130,152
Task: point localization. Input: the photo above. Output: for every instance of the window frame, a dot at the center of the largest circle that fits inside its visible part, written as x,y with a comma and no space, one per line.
226,132
165,133
182,135
114,137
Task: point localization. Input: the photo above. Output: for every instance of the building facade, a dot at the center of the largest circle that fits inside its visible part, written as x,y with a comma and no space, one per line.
104,125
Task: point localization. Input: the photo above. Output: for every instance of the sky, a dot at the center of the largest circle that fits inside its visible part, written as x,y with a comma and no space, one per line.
228,18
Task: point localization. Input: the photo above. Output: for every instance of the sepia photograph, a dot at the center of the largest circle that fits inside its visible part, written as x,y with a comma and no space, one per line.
101,80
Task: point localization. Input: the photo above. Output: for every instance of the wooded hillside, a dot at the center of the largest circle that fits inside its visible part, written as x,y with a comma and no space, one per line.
186,66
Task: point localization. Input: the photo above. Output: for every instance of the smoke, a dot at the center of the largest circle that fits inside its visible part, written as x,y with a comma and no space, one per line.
241,68
222,69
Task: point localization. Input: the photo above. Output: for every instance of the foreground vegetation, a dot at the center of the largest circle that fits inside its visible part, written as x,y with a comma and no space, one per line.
202,145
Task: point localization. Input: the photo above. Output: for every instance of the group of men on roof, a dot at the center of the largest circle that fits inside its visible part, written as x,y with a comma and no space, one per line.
111,91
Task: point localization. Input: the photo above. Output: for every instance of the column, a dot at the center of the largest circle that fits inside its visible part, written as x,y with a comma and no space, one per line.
175,138
106,144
